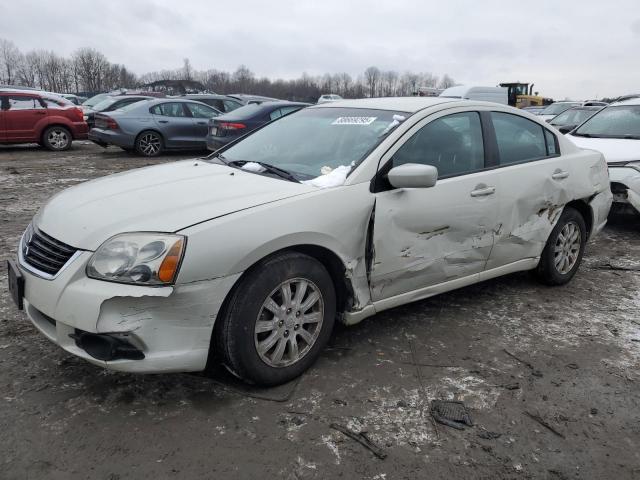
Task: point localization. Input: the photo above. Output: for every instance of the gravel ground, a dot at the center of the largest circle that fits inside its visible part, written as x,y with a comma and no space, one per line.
577,349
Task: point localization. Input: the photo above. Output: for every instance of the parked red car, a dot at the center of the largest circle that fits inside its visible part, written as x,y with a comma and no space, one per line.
28,116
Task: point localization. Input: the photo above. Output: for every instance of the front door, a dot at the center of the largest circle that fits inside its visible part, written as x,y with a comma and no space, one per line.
427,236
24,114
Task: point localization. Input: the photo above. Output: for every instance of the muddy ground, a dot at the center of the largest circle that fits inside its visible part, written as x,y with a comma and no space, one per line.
578,348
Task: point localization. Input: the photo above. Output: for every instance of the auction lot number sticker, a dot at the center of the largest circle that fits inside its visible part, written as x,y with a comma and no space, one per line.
354,120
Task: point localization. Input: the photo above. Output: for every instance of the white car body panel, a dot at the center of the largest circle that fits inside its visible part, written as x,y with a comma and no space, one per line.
232,219
617,151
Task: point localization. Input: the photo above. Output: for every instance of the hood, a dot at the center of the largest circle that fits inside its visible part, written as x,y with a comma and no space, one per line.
613,149
162,198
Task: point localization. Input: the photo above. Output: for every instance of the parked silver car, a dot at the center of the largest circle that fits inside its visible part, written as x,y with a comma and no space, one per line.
150,127
334,212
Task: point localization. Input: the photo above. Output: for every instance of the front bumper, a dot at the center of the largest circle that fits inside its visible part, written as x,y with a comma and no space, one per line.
172,325
629,179
104,137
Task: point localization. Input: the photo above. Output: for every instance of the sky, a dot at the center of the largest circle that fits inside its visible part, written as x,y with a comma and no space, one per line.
578,49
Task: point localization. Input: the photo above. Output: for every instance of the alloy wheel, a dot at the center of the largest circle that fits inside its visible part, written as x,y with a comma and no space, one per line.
58,139
289,322
150,144
567,248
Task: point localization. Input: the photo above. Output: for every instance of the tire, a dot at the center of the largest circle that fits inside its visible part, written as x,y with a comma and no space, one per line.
560,258
149,144
57,138
253,356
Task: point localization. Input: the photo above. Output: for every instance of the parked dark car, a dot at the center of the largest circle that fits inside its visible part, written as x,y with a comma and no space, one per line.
219,102
32,116
110,104
150,127
570,119
227,128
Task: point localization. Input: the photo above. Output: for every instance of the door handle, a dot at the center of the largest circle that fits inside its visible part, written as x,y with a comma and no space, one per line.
483,191
202,123
41,112
163,121
560,174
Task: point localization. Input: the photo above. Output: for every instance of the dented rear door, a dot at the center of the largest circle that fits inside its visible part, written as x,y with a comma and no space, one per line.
535,183
426,236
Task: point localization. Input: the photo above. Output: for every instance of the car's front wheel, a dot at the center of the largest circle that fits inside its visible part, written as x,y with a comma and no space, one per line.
278,319
57,138
563,252
149,144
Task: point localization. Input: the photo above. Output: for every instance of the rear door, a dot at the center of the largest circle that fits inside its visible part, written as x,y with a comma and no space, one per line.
533,181
200,117
428,236
24,118
3,108
175,123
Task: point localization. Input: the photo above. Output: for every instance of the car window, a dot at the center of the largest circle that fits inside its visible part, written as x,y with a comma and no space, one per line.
621,121
519,139
201,111
23,103
275,114
453,144
169,110
230,105
286,110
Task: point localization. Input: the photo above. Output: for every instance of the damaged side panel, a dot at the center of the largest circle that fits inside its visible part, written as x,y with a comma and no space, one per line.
533,196
432,235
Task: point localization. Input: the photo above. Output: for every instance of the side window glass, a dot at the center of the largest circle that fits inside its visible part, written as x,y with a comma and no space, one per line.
201,111
275,114
453,144
23,103
229,105
552,143
519,139
286,110
169,110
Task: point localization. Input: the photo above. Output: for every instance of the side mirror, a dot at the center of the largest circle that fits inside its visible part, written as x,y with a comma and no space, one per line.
566,128
413,175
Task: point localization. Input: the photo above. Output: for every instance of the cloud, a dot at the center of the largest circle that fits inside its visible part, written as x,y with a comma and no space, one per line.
554,44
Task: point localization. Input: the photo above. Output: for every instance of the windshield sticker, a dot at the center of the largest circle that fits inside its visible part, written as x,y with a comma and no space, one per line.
354,120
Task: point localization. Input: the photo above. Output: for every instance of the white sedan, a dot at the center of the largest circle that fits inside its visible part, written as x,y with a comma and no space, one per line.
335,212
615,131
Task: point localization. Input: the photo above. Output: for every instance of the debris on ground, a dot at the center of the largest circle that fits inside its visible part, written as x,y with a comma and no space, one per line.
542,422
487,435
362,439
535,372
451,413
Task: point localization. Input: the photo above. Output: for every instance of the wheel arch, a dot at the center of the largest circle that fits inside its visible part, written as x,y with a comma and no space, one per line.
154,130
583,207
52,125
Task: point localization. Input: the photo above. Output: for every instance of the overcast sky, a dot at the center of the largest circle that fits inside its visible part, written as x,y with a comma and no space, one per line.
570,48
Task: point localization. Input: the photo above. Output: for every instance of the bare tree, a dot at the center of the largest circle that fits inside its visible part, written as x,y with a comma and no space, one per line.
10,58
187,70
446,82
372,77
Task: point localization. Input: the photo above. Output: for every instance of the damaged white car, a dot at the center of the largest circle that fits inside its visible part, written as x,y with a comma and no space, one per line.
615,131
337,211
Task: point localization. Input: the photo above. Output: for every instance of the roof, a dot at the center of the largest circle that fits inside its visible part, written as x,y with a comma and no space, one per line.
398,104
631,101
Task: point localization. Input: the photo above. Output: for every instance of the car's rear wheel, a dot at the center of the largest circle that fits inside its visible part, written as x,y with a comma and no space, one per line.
278,319
563,252
149,144
57,138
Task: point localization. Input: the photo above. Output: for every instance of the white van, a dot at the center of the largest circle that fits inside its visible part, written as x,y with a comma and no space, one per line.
485,94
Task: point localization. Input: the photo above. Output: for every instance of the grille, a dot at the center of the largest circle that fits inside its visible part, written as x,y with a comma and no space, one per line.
46,253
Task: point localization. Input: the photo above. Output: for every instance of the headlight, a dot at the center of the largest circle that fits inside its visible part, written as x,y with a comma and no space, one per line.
138,258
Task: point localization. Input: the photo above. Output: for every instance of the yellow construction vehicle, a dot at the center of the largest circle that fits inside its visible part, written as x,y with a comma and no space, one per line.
521,95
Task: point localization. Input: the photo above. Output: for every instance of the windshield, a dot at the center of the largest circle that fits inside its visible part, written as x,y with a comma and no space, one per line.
613,122
573,116
95,100
313,141
556,108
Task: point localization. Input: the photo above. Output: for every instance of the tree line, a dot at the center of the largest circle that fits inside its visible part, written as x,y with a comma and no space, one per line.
89,71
